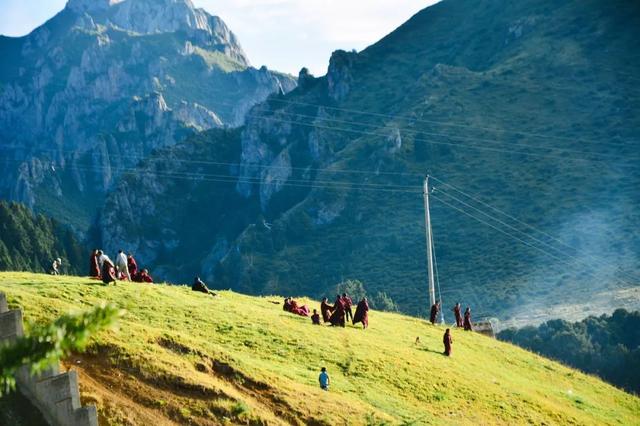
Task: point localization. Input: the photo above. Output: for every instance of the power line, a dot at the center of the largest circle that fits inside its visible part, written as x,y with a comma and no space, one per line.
438,122
537,240
506,233
526,224
481,148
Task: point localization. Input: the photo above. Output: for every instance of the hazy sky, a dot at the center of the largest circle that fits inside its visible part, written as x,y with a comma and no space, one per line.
285,35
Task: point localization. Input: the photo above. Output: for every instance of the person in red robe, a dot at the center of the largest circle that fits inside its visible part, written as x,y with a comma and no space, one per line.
346,300
337,317
448,341
132,265
94,265
108,271
457,311
315,318
435,308
145,277
286,306
467,320
326,309
362,313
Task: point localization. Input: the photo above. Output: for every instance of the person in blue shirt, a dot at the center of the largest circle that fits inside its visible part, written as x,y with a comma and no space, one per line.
324,379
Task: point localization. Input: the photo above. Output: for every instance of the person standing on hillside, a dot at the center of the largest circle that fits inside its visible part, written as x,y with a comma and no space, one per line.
101,259
326,309
448,341
467,320
132,265
55,266
434,312
94,266
337,317
346,300
324,379
457,311
362,313
121,265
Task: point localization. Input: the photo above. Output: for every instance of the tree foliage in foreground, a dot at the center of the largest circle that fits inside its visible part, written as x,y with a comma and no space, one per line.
45,345
608,346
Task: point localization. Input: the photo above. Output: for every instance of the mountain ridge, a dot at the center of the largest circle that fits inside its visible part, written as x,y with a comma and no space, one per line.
88,95
446,93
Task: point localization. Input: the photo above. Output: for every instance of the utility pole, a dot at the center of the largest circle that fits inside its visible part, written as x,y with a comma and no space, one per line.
427,222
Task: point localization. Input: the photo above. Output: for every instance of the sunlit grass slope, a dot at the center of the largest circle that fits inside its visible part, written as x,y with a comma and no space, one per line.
186,358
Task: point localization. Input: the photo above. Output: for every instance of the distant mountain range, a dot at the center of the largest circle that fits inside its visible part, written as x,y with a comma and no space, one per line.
97,88
530,108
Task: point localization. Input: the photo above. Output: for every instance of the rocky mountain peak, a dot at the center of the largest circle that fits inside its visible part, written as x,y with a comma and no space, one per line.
87,6
163,16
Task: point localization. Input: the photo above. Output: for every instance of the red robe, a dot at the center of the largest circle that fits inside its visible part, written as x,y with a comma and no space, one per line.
362,314
447,340
303,310
467,321
132,266
108,272
337,317
94,266
434,314
326,310
458,315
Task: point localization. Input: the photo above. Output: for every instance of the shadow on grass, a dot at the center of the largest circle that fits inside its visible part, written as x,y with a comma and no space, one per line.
432,351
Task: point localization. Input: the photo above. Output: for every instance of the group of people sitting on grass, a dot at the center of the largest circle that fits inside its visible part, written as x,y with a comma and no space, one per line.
337,314
125,268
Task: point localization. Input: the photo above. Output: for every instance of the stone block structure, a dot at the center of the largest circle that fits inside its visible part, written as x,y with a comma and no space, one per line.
55,394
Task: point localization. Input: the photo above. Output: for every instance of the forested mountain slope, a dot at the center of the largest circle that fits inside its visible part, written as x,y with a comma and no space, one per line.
529,107
30,242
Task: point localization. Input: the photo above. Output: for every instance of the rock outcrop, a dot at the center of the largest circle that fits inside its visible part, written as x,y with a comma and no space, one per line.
104,83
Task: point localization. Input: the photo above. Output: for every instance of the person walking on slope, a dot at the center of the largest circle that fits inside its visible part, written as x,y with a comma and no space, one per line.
448,341
122,265
434,312
324,379
346,300
467,320
457,311
362,313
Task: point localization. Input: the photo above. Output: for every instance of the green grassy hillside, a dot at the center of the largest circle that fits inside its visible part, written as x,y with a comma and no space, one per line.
186,358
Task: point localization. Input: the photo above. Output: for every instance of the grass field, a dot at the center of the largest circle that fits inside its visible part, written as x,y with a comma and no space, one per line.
180,357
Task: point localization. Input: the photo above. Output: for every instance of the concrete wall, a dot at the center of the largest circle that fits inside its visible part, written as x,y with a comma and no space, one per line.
55,394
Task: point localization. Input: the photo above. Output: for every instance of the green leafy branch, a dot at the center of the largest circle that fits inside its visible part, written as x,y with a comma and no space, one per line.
45,345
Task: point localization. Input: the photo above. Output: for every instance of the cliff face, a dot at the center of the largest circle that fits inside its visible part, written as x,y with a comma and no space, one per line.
98,87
